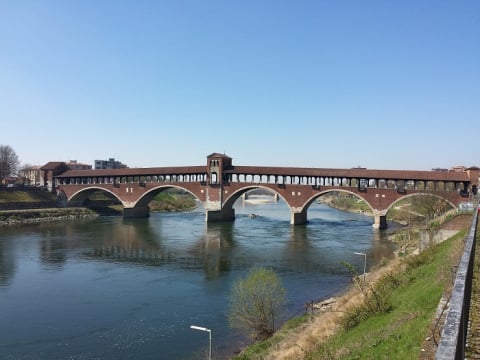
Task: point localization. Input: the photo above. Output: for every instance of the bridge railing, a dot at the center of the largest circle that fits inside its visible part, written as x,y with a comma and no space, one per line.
454,334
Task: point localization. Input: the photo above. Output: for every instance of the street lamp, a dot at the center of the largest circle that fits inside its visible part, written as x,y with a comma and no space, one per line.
209,338
364,263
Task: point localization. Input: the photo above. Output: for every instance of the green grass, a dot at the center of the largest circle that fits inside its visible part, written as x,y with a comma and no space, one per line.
26,196
172,201
259,349
412,294
399,333
350,203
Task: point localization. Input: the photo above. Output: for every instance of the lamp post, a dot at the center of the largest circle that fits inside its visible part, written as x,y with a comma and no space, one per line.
364,263
209,338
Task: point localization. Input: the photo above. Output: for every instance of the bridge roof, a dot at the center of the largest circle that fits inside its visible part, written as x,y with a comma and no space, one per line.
359,173
352,173
180,170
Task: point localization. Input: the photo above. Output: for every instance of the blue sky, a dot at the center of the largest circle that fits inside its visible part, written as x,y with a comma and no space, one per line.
381,84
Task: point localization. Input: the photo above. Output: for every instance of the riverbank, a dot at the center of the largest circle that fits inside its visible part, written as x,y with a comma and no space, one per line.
32,216
319,335
19,206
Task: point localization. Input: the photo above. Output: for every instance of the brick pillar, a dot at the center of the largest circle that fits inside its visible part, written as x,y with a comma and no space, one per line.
298,217
136,212
380,222
224,214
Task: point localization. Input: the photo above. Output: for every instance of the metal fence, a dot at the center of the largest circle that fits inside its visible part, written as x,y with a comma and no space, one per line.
454,334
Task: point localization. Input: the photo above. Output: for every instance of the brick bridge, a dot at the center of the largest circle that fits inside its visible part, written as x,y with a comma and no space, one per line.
219,183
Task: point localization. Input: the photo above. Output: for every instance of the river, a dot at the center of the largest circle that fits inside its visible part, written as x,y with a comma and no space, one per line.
114,288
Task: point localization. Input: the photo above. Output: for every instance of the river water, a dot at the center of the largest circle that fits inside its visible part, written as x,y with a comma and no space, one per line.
112,288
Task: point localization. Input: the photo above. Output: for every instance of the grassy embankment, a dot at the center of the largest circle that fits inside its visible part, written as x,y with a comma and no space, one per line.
32,198
26,196
391,321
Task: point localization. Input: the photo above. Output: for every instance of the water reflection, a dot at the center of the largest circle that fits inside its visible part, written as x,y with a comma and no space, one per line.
7,264
131,288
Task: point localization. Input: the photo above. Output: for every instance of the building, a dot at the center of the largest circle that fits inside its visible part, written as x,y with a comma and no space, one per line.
51,169
111,163
32,175
458,168
440,169
75,165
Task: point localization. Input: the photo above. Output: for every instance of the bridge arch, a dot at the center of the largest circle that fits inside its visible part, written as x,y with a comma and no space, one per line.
233,197
418,194
145,199
310,201
80,196
300,215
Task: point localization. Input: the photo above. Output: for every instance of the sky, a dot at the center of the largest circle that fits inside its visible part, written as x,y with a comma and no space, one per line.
327,84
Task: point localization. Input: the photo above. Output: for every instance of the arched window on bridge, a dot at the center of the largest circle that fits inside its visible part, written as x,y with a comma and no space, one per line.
440,185
430,185
420,185
450,186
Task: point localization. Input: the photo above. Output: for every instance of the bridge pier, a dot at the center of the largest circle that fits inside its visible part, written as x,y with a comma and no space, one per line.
298,218
225,214
136,212
380,222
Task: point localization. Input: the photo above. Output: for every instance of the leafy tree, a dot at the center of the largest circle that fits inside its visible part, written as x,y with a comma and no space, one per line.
255,302
8,161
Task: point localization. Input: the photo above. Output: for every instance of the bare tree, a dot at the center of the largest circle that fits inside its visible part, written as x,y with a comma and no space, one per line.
429,205
8,161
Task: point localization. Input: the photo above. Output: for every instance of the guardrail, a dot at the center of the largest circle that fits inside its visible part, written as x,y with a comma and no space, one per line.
454,333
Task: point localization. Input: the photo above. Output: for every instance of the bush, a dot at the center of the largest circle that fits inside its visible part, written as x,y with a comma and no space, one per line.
255,302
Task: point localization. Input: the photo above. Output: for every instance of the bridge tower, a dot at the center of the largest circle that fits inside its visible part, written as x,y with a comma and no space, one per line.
216,164
474,175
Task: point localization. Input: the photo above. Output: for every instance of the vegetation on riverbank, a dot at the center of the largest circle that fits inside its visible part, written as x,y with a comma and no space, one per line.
346,202
392,314
26,196
41,215
172,200
410,294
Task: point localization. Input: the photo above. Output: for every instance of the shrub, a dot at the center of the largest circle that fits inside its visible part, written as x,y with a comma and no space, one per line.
255,302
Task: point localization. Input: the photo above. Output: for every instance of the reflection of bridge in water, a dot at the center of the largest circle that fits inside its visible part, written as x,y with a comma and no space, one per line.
219,184
216,250
138,243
